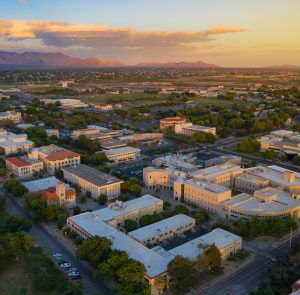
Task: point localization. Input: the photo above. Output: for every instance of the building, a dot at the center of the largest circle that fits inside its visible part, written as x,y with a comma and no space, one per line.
54,191
94,181
266,202
163,230
123,154
190,129
184,163
23,166
142,137
66,103
259,177
12,143
171,123
223,175
52,132
103,106
55,157
160,177
116,213
16,117
226,242
220,160
282,141
4,97
111,143
203,194
65,83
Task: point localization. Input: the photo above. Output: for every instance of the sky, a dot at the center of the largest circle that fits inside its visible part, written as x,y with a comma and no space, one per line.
231,33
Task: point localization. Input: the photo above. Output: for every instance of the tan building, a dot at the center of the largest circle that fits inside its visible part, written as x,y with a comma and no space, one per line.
123,154
190,129
55,157
266,202
94,181
103,106
203,194
224,174
160,178
23,166
140,137
164,230
171,123
16,117
12,143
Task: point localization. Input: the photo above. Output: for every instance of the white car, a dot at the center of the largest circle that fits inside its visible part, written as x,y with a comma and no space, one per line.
73,274
65,265
73,269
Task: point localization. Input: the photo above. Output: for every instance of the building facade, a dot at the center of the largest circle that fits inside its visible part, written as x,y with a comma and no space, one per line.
123,154
171,123
93,181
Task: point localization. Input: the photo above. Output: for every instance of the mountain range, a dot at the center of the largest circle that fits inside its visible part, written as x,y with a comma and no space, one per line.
52,59
56,59
49,59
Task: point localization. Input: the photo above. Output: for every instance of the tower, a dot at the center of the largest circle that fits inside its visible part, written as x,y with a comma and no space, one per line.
60,193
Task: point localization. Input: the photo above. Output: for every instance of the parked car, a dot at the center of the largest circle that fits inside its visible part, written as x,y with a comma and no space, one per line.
73,274
65,265
56,256
76,278
72,269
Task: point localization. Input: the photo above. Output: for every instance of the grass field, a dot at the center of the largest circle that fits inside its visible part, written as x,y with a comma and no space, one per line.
216,102
124,97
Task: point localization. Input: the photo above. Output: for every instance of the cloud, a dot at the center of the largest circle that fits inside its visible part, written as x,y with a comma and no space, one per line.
64,34
23,2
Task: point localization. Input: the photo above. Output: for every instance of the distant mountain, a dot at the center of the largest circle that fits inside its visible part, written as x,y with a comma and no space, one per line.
52,59
288,67
181,64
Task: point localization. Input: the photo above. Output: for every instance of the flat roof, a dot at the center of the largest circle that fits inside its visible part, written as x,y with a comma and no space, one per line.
7,144
162,226
92,175
44,183
212,187
121,150
127,207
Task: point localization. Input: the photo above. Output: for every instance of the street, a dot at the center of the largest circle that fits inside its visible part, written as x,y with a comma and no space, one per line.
51,244
244,280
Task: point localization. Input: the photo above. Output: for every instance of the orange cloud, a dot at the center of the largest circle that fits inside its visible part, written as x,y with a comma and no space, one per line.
64,34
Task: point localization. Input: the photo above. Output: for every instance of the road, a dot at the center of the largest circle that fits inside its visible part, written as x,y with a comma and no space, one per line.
244,280
50,244
256,159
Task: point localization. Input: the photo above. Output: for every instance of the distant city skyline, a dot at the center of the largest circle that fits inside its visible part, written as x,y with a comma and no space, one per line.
236,33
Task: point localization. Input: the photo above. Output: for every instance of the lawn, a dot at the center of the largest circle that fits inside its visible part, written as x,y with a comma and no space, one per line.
115,98
203,101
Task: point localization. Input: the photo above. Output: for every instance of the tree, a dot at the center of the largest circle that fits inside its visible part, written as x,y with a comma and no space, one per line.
135,189
102,199
214,256
248,145
94,250
108,268
76,210
130,225
14,223
9,184
99,159
51,212
149,219
200,217
160,284
2,203
182,274
181,209
38,135
270,154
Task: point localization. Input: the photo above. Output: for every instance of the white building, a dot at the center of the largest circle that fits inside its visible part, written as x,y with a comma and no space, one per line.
12,143
123,154
190,129
163,230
